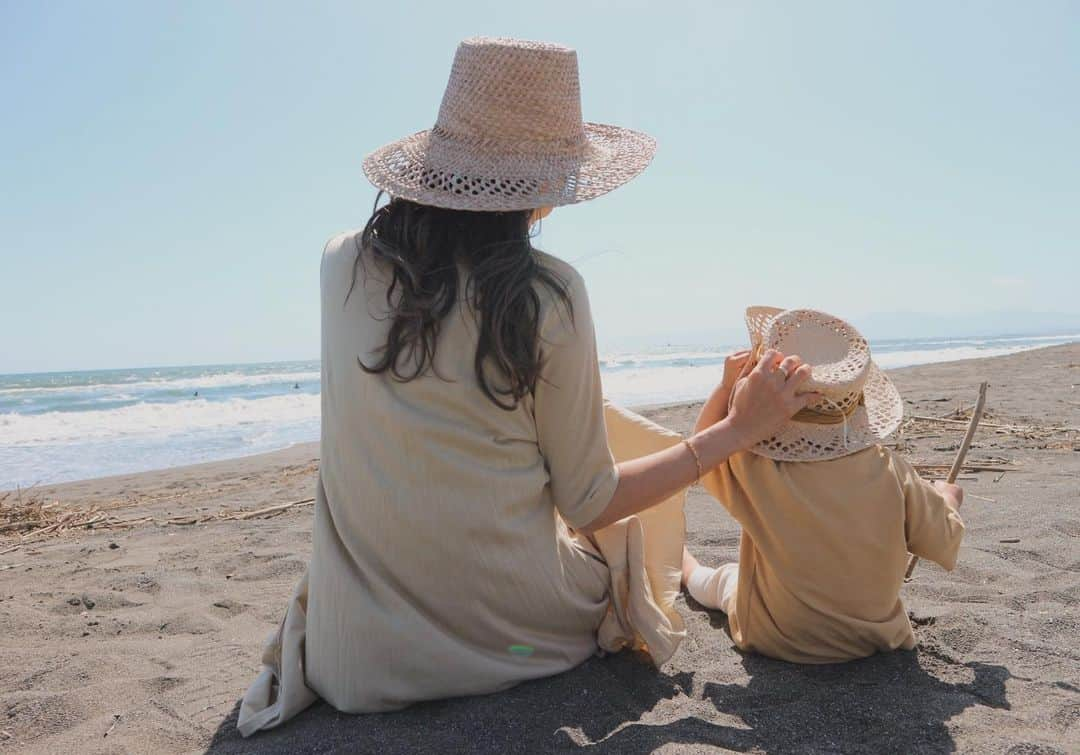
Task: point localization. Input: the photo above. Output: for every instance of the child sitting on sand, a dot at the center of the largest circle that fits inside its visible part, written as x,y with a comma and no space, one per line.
828,515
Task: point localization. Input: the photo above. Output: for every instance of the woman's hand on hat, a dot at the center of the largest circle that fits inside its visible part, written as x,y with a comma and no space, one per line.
765,397
768,397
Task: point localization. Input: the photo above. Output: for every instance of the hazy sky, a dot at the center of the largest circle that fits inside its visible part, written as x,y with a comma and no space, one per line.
170,171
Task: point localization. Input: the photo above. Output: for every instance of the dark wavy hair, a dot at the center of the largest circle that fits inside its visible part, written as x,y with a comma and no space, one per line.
423,247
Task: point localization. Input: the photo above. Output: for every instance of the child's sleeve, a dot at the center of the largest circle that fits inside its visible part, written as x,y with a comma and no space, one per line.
722,482
933,527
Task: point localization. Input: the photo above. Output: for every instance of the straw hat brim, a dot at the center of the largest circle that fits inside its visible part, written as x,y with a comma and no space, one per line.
873,421
430,170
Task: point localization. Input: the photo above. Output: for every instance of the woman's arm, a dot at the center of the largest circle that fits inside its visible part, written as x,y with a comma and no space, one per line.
766,400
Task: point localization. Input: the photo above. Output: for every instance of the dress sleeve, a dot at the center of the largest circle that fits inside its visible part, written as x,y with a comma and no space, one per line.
932,526
569,412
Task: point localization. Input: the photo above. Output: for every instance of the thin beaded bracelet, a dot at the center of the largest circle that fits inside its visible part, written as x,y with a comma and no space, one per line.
697,459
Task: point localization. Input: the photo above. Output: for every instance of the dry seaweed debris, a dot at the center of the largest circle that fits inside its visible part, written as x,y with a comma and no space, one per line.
34,519
1043,436
958,420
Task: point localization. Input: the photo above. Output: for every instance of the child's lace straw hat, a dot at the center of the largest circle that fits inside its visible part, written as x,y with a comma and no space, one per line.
509,136
860,405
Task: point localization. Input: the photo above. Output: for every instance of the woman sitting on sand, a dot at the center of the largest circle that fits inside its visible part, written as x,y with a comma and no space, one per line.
472,527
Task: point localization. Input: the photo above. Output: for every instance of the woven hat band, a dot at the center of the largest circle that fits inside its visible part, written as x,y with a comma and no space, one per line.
538,146
817,416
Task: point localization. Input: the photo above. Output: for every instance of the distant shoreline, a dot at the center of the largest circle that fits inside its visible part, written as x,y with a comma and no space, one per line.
721,342
298,453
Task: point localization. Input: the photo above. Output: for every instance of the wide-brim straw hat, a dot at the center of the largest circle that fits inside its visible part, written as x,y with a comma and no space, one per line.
860,406
509,136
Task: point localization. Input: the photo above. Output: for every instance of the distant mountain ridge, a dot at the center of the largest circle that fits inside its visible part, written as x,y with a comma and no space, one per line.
882,326
890,325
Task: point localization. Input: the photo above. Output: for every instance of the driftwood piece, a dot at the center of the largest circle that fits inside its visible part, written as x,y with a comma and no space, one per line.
270,510
958,462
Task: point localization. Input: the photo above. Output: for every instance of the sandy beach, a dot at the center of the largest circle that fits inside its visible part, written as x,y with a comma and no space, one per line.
142,637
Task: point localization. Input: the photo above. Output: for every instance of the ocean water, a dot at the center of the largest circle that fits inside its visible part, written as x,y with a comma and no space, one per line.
62,426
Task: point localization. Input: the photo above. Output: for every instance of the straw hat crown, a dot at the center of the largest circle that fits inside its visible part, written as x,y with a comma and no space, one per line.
513,94
510,136
859,405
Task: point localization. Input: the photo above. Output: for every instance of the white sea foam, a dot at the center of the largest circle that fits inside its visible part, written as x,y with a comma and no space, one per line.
661,385
146,419
635,359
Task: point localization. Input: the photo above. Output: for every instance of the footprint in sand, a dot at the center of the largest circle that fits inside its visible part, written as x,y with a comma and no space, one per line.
162,684
252,567
230,607
1066,717
102,603
141,582
38,712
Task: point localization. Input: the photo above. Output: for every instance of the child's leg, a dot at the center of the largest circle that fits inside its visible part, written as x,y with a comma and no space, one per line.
712,588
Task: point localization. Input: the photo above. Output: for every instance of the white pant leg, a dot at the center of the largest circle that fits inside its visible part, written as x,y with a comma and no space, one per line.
714,588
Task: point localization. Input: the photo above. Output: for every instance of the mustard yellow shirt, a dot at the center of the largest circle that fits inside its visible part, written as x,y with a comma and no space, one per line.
824,548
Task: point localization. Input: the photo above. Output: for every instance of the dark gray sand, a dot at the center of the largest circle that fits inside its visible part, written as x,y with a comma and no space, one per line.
142,640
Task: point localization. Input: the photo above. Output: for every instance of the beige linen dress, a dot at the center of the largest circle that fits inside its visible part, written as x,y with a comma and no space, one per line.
442,561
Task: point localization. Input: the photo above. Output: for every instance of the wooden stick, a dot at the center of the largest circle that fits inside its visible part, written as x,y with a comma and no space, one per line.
958,462
269,510
951,421
967,468
115,721
54,526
